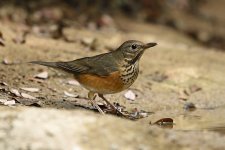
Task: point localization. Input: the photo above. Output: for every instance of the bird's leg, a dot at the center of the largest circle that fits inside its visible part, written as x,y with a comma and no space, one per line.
111,105
91,97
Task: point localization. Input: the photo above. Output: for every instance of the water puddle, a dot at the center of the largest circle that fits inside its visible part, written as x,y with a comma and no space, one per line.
202,119
212,119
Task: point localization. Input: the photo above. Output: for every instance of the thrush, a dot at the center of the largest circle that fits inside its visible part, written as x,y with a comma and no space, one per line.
106,73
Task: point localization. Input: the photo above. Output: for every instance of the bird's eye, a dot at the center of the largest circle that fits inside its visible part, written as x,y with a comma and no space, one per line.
134,46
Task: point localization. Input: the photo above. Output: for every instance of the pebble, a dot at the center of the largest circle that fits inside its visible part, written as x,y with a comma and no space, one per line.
130,95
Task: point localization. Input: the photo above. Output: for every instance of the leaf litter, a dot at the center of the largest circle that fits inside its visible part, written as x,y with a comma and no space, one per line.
42,75
132,115
2,40
3,100
189,106
66,94
24,95
7,102
10,102
3,84
184,94
73,82
20,38
164,123
7,61
30,89
15,92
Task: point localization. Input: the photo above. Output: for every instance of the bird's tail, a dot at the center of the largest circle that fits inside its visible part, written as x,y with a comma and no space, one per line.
48,64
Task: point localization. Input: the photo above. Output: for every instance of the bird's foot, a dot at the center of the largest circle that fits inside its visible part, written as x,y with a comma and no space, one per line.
92,97
116,109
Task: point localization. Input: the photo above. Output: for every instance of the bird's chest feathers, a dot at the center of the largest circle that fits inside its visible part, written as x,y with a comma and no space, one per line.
115,82
129,74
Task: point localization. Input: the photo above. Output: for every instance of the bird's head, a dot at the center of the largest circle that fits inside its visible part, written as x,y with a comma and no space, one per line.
133,50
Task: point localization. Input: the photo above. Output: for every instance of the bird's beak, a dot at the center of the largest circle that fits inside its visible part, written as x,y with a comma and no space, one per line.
148,45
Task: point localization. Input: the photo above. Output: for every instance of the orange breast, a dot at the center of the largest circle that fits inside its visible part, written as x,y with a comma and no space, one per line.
103,85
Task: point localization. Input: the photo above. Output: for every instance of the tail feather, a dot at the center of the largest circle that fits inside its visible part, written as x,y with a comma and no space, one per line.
48,64
70,67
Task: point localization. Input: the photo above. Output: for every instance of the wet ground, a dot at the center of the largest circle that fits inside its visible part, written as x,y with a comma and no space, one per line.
178,79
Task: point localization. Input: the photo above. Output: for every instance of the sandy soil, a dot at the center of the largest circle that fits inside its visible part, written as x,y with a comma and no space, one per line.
174,74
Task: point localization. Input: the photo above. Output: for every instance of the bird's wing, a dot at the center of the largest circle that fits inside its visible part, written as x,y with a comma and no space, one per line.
101,65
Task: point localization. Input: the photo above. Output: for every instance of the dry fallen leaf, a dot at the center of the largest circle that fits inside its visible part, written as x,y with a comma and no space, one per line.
21,38
26,101
2,42
87,41
130,95
73,82
24,95
189,106
7,62
3,100
3,83
30,89
69,94
1,39
35,105
183,95
137,114
15,92
1,35
164,123
119,107
143,114
42,75
92,43
194,88
36,79
10,102
134,113
105,21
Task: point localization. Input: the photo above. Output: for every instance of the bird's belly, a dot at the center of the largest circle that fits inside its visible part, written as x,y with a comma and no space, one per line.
102,85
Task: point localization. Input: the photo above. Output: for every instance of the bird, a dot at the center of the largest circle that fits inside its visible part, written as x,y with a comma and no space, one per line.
106,73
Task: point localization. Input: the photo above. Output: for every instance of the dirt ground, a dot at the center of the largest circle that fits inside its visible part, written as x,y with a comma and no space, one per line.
175,76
